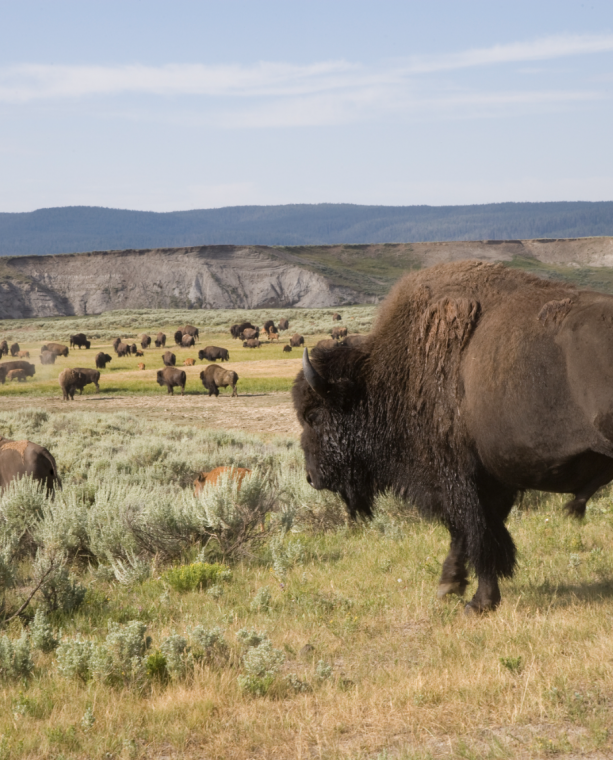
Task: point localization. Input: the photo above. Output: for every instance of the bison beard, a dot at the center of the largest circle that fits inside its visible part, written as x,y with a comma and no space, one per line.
467,392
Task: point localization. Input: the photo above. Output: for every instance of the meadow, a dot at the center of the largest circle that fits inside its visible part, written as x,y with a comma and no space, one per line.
142,621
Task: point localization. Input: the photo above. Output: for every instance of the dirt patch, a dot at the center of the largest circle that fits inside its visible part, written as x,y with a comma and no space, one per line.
267,414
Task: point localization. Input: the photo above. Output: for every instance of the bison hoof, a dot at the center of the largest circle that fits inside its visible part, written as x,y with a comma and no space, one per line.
576,508
456,587
474,608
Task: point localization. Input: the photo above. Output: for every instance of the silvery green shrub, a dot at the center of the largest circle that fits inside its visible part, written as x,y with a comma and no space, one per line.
74,658
261,601
262,665
15,657
41,633
121,660
177,654
250,637
211,643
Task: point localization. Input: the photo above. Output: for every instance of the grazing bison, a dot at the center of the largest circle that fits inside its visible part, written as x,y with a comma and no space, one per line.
85,377
187,341
212,478
189,362
339,332
353,340
284,324
212,353
134,349
141,365
336,317
58,349
237,330
287,349
172,378
79,341
191,330
14,349
145,341
178,337
252,343
16,374
250,334
296,340
169,359
215,377
160,340
123,349
4,349
477,382
23,354
5,368
20,459
102,360
47,357
68,383
269,325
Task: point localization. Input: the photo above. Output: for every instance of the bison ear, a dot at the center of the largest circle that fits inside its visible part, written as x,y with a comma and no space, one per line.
313,378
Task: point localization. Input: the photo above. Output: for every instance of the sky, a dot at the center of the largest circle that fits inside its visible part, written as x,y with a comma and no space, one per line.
166,106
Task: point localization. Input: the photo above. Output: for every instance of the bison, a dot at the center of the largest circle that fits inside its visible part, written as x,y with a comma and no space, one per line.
79,341
353,340
283,324
287,349
5,368
47,357
134,349
237,330
336,317
191,330
249,334
123,349
102,360
189,362
339,332
160,341
58,349
85,377
326,343
187,341
169,359
178,337
252,343
16,374
215,377
296,340
212,478
139,353
212,353
269,325
14,349
145,341
23,354
115,343
172,378
4,349
68,384
477,382
20,459
272,335
141,365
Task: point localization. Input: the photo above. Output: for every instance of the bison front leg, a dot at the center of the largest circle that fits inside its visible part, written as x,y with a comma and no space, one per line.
170,390
454,577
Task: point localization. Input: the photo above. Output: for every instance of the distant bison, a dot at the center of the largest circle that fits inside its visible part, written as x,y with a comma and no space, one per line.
169,359
139,353
145,341
296,340
14,349
191,330
339,332
272,335
252,343
212,478
249,333
16,374
172,378
187,341
47,357
215,377
79,341
355,340
5,368
20,459
4,349
141,365
189,362
23,354
85,377
237,330
68,383
160,340
212,353
336,317
284,324
115,343
102,360
269,325
123,349
134,349
287,349
58,349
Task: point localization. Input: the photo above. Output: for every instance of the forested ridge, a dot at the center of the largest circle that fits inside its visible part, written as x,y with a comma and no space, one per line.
83,228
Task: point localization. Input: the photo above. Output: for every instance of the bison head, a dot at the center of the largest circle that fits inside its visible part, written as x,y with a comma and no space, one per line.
331,405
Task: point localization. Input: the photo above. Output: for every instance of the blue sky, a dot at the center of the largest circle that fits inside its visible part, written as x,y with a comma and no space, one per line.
177,105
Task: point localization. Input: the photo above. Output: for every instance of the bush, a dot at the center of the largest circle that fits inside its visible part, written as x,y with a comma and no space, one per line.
15,657
74,658
210,645
41,633
262,664
197,576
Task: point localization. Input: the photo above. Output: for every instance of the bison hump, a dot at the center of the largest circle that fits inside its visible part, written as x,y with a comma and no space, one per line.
447,323
553,312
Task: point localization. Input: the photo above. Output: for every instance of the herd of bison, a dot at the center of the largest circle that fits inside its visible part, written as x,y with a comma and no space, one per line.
213,376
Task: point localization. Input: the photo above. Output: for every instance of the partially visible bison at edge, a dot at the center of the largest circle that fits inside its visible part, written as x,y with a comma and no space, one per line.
20,459
476,383
6,367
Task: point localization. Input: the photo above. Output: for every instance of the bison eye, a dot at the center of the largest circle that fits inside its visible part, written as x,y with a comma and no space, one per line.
311,418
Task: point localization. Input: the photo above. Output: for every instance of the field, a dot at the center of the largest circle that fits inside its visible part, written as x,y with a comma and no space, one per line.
255,623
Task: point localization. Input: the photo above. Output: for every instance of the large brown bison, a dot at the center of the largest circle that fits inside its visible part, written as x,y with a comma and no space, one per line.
237,330
215,377
4,349
212,353
169,359
252,343
339,332
336,317
187,341
115,343
123,349
287,349
134,349
191,330
477,382
145,341
85,377
172,378
47,357
68,383
269,325
249,334
58,349
20,459
284,324
79,341
160,340
296,340
6,367
212,478
14,349
102,360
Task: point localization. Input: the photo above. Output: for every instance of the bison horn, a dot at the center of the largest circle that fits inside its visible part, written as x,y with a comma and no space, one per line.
313,378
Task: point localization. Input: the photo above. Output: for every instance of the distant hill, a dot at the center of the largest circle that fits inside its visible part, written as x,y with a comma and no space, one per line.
82,228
